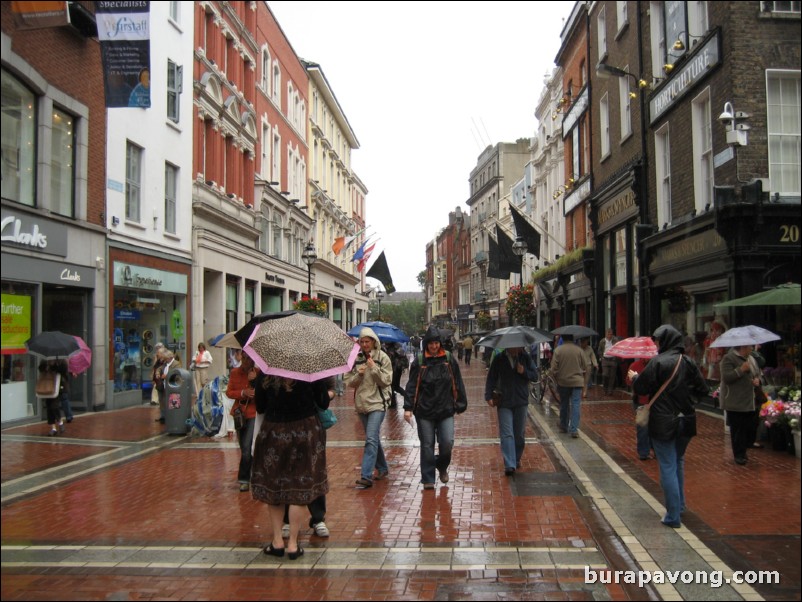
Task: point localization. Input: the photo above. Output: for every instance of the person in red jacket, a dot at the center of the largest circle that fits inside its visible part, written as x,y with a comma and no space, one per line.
240,389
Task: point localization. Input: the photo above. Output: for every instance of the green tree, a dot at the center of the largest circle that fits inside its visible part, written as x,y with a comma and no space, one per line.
422,280
407,315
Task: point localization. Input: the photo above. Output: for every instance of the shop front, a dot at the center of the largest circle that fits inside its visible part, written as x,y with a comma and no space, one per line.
47,284
148,306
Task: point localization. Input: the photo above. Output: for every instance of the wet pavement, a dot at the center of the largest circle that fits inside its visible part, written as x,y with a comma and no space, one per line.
116,510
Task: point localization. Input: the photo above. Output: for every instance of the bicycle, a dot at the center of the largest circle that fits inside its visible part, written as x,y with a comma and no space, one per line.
545,383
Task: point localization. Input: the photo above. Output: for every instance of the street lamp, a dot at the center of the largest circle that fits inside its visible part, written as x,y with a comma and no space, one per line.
483,298
519,247
379,297
310,257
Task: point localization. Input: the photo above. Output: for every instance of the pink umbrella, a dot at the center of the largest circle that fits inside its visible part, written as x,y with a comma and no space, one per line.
633,348
80,361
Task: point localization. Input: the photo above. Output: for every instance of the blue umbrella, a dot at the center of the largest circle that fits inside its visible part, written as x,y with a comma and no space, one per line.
387,333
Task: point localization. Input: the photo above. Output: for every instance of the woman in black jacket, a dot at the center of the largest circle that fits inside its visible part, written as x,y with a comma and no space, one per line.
672,420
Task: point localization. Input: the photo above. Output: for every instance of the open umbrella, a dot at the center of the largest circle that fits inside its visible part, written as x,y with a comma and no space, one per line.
225,340
514,336
784,294
79,362
633,348
52,344
300,345
244,333
745,335
575,330
387,333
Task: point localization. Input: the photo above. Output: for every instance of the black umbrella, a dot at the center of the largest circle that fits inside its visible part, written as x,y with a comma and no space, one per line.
576,331
52,344
514,336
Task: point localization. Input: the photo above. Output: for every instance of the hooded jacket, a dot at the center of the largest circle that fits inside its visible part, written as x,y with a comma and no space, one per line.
432,379
372,389
505,379
677,398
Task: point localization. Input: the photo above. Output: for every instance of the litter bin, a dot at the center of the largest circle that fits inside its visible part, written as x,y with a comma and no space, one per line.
178,389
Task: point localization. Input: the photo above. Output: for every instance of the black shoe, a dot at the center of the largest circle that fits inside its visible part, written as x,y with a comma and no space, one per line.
509,472
297,554
271,551
740,461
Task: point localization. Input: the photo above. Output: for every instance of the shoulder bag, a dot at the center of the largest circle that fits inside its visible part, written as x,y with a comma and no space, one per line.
48,385
327,418
642,413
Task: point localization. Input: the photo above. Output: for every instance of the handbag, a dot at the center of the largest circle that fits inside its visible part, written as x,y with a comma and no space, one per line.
239,416
327,418
48,385
642,413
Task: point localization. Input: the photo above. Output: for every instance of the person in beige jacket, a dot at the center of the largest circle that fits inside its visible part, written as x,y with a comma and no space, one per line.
371,378
568,367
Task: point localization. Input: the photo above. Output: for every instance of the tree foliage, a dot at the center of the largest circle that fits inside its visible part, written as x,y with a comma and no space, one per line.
408,315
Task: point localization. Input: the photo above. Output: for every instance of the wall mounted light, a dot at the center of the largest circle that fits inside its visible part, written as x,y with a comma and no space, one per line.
603,70
737,133
681,42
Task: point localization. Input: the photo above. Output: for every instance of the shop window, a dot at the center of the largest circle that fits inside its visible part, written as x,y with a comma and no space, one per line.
20,306
250,296
232,302
62,164
19,141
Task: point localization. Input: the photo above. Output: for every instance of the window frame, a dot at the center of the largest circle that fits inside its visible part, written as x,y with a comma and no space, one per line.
778,160
133,182
174,90
170,203
662,154
703,168
19,162
604,126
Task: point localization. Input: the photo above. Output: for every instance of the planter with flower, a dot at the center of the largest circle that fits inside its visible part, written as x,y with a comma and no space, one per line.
679,300
484,320
781,416
313,306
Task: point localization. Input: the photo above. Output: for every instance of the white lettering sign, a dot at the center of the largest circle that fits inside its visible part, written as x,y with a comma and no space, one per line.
68,274
11,229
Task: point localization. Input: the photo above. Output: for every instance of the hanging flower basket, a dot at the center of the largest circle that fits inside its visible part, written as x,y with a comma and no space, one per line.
313,306
679,300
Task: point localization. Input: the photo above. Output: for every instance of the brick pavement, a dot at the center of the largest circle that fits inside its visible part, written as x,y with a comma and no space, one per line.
114,510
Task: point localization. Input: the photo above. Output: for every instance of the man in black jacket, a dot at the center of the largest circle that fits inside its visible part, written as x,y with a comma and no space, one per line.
672,419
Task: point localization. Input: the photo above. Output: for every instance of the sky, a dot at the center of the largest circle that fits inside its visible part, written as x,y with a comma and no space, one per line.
426,87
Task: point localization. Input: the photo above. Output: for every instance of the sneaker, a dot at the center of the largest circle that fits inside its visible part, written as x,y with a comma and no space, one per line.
61,428
381,475
285,531
321,530
508,472
562,429
363,483
244,486
444,476
53,433
575,435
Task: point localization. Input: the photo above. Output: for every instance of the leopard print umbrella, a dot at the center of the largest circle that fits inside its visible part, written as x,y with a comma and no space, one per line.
301,346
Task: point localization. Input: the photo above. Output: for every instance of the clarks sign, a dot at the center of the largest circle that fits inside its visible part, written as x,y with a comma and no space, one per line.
33,233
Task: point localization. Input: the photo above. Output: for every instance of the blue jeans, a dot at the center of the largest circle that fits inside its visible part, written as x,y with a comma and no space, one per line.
427,431
373,455
644,441
570,397
66,408
245,444
671,457
511,426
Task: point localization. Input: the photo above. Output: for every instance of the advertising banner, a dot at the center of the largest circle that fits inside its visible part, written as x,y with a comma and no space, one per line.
124,33
16,320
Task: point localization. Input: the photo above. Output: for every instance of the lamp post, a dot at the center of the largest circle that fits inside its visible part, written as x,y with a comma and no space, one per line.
379,297
309,256
520,248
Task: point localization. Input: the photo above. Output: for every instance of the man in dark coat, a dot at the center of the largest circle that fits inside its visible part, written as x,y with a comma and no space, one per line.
672,418
434,393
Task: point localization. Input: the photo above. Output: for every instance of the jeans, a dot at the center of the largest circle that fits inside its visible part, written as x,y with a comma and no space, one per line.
373,456
245,444
644,441
570,397
511,426
66,408
427,431
671,458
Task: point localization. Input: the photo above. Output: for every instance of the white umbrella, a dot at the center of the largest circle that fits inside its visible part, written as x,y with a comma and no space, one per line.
745,335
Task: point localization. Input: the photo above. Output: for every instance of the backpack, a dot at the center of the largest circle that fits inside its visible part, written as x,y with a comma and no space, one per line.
459,406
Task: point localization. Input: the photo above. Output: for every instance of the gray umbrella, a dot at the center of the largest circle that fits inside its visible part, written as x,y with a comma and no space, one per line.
745,335
514,336
575,330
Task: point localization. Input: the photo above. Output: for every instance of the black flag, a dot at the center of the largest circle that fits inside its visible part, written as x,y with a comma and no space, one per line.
510,261
494,261
381,272
525,230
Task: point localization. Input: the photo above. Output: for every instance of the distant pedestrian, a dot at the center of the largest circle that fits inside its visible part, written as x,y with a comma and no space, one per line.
568,367
200,365
672,420
241,388
507,389
56,372
435,392
592,362
739,377
609,363
467,348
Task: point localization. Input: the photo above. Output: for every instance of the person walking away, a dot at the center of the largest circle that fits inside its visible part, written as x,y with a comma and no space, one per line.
435,392
739,377
53,403
568,367
371,378
507,389
400,363
609,364
642,439
591,361
467,349
289,455
672,419
200,365
241,389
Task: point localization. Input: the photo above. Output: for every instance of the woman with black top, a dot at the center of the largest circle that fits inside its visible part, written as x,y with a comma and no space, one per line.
289,457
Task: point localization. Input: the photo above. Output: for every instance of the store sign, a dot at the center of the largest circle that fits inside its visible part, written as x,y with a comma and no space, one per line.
692,248
623,204
32,232
136,276
16,319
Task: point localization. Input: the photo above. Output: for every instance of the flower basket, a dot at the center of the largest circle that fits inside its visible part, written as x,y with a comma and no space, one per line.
679,300
313,306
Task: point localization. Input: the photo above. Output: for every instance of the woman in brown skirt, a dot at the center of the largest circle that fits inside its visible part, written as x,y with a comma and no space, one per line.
289,458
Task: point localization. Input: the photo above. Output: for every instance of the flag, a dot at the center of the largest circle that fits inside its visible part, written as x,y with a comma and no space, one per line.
365,256
509,259
525,230
381,272
340,244
360,252
494,261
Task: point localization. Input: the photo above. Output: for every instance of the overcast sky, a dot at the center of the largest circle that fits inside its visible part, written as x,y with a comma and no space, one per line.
426,86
